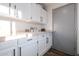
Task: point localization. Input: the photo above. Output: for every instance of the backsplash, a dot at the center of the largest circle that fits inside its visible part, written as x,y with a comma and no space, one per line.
28,27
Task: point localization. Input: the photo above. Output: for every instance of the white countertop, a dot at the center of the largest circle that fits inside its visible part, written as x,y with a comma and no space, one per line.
27,35
14,37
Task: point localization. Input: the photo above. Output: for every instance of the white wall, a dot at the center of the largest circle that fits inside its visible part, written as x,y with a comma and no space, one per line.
22,26
50,20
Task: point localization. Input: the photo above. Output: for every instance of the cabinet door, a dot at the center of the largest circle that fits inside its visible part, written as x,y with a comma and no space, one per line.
38,12
7,52
29,49
41,46
24,10
4,9
35,12
43,16
49,40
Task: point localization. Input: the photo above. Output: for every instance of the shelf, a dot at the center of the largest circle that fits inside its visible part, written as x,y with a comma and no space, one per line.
10,18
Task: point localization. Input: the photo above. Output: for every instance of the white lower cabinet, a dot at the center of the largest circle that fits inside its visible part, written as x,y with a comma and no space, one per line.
36,46
29,48
41,46
7,52
44,43
48,41
8,48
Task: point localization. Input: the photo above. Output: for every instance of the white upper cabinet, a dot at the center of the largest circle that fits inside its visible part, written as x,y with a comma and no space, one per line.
4,9
33,6
36,9
43,17
7,9
24,10
38,13
31,11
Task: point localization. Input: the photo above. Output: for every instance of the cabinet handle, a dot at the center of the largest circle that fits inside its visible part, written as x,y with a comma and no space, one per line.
20,50
37,53
47,40
14,52
37,42
9,7
29,39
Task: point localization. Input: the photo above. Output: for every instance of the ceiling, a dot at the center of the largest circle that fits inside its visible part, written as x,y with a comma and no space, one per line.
53,5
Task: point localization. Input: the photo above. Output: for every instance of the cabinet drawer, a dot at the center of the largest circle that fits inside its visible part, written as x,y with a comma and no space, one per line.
24,40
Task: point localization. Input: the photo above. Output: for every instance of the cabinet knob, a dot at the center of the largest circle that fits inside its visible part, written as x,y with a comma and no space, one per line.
47,40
